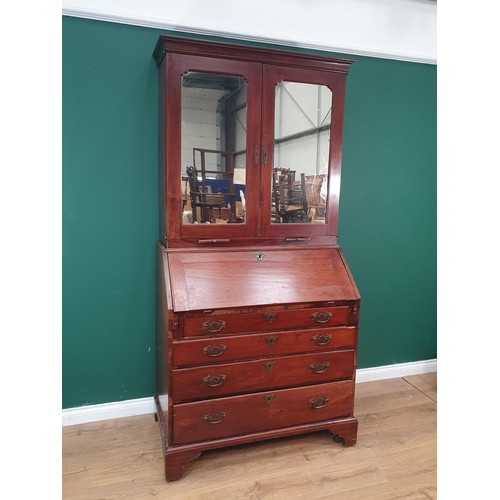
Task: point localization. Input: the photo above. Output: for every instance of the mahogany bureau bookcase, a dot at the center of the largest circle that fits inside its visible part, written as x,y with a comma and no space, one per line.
257,311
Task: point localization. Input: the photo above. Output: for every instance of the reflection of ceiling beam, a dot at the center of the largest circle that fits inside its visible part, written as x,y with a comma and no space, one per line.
243,125
297,104
302,133
326,116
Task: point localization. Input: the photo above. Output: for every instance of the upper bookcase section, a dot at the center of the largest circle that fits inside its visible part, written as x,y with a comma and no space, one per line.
250,144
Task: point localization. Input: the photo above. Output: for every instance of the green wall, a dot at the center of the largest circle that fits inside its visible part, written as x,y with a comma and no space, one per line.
110,209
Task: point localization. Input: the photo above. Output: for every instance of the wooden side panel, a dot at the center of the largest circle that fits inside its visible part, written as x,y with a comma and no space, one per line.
163,301
162,152
164,315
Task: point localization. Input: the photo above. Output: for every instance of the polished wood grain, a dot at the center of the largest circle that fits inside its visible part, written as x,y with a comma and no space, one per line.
394,457
253,413
257,322
208,301
260,375
238,278
194,351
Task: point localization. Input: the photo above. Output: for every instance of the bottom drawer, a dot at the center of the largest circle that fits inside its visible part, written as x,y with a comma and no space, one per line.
224,417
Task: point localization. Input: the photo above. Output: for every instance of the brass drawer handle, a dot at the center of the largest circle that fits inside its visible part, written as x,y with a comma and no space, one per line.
318,402
213,326
271,341
214,381
321,317
321,339
270,316
215,350
215,418
319,367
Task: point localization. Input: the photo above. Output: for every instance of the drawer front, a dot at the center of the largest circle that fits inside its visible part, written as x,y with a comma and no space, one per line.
265,321
221,349
207,382
232,416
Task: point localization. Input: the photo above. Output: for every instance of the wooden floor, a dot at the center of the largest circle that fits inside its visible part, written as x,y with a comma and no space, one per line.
395,456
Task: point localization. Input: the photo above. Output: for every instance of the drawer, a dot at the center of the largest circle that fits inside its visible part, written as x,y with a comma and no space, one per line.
237,415
265,321
233,348
272,373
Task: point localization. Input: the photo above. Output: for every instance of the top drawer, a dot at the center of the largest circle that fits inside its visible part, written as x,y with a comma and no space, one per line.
265,321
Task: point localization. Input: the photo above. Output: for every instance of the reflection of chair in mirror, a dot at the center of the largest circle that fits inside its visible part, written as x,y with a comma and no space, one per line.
316,204
204,202
289,197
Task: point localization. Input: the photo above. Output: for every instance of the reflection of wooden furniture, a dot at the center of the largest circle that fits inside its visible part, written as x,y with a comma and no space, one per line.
289,197
200,198
202,202
257,323
316,205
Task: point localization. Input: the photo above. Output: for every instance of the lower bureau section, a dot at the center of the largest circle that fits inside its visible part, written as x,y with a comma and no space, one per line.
233,416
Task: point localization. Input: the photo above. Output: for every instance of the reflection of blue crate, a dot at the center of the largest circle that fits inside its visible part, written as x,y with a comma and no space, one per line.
222,186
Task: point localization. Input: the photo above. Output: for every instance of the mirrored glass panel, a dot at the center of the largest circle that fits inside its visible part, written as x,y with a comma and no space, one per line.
301,153
214,117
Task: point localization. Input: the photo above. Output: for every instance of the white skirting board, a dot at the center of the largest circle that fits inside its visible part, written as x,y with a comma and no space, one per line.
132,407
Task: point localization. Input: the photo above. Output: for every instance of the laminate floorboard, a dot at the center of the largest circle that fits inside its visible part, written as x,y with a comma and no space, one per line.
395,456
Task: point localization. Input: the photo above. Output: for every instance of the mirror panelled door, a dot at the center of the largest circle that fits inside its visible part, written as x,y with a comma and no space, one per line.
302,140
256,150
214,109
213,147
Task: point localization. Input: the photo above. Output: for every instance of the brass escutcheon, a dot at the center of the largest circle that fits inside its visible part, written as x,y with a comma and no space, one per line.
268,398
269,365
270,316
271,341
259,256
